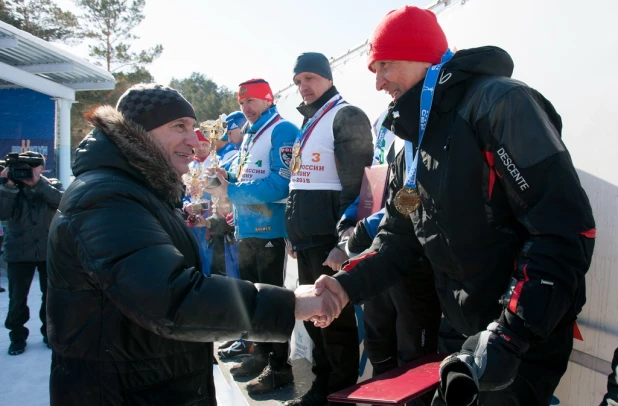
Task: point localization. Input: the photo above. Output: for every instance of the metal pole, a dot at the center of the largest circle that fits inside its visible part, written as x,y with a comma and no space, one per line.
64,144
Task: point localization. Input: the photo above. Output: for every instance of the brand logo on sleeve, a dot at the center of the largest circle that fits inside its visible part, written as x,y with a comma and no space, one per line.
513,170
285,153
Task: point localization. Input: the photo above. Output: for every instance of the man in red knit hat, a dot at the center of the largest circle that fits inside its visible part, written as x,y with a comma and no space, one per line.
257,184
491,198
203,150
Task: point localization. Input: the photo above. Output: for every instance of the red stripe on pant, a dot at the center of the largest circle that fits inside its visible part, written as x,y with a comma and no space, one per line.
517,291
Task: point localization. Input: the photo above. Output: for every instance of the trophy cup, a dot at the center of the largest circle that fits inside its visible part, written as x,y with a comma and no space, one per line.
194,181
214,130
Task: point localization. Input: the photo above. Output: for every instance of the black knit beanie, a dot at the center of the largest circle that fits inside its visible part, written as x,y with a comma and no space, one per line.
152,105
314,62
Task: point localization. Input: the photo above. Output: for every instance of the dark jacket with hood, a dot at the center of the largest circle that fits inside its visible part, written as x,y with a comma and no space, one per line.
311,215
504,220
131,316
28,211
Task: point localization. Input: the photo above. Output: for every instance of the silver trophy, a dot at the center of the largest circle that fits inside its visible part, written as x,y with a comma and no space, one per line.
194,181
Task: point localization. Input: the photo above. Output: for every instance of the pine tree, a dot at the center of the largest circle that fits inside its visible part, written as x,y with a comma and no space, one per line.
41,18
111,23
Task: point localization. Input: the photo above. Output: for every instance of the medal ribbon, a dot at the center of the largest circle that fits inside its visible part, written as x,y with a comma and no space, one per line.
380,144
307,129
426,101
246,146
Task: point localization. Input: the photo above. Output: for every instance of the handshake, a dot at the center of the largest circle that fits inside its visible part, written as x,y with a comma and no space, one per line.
320,303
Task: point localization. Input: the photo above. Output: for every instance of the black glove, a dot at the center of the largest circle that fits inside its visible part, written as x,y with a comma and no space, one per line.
219,226
488,361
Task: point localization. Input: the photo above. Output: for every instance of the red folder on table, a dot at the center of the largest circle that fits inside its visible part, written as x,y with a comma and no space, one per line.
396,387
372,193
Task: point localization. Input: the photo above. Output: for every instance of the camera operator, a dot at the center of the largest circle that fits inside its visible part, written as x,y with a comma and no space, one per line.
28,202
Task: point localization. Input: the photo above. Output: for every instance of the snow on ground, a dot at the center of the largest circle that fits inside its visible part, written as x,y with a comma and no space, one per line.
24,379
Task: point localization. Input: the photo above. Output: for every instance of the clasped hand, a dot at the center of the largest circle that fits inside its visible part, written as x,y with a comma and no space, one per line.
320,303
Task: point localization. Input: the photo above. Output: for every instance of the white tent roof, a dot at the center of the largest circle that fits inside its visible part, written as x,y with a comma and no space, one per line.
30,62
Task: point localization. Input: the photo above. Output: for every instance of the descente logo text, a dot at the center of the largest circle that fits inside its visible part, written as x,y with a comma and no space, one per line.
512,169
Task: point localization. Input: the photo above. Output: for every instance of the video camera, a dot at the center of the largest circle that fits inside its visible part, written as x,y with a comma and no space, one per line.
20,165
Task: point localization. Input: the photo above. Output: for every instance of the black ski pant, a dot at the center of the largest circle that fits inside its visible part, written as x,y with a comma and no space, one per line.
335,352
20,275
401,325
263,261
217,263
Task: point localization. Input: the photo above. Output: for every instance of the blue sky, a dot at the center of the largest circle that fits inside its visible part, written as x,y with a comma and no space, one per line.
235,40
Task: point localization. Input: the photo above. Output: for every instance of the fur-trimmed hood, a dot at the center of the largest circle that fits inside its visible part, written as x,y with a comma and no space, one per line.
121,144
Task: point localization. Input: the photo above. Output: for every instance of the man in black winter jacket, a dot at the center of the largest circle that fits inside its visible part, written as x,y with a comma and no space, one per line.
496,206
28,207
131,316
327,166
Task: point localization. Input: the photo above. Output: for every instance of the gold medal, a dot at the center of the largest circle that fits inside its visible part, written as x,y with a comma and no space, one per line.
295,163
407,200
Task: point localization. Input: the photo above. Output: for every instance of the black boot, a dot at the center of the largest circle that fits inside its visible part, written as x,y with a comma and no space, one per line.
17,347
250,366
270,379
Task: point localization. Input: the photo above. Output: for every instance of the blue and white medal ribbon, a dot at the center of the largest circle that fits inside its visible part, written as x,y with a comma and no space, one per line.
407,200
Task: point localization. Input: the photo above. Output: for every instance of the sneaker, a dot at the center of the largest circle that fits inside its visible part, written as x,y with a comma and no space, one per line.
227,344
250,366
269,380
240,347
17,347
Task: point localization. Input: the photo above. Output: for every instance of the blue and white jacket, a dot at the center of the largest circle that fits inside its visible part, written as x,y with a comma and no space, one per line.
260,177
227,155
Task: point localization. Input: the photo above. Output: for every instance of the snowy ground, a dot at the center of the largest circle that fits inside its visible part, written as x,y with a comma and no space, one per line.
24,379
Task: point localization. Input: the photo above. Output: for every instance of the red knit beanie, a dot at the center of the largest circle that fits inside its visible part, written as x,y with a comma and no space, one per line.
256,89
407,34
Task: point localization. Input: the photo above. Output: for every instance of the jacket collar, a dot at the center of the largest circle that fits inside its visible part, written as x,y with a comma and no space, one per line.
118,143
308,110
266,115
